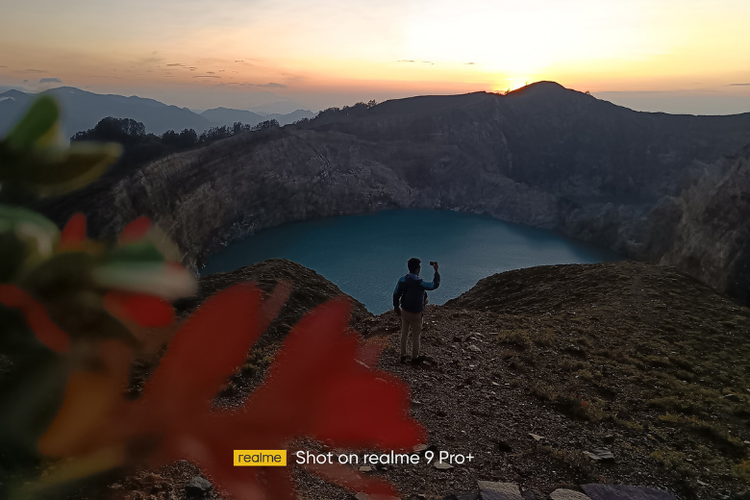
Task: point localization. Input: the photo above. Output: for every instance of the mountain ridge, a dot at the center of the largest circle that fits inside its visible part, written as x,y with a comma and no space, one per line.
228,116
544,156
82,110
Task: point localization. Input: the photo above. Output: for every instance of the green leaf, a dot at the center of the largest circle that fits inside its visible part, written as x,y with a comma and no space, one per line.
66,284
30,227
135,252
167,282
54,172
14,253
36,126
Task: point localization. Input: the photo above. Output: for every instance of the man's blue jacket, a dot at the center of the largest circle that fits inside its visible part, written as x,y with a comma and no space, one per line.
411,290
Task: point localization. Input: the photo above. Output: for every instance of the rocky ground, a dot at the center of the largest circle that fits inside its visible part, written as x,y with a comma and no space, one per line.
534,370
554,377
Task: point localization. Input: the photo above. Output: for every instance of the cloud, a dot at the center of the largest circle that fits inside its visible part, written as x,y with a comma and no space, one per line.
206,76
152,59
32,70
175,64
50,80
413,61
739,84
270,85
239,60
210,72
406,60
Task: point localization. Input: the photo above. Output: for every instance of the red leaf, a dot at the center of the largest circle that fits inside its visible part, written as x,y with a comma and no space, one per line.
369,350
316,374
315,388
314,353
36,317
273,304
211,344
135,230
145,310
74,232
361,402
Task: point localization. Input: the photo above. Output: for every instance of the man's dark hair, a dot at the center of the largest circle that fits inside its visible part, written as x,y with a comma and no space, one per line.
413,264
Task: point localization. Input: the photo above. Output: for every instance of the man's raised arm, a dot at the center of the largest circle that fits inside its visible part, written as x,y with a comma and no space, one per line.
432,285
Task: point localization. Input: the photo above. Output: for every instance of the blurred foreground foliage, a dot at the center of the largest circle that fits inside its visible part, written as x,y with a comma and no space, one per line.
75,313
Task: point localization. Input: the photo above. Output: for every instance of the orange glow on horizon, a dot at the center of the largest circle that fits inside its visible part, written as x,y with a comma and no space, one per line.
314,51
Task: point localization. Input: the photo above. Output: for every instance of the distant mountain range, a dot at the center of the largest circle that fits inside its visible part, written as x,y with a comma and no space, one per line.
226,116
82,110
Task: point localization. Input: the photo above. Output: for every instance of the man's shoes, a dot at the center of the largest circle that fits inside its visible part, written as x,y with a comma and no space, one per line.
404,359
424,361
418,360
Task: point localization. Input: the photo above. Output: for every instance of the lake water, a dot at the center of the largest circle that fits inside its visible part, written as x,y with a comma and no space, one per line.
365,255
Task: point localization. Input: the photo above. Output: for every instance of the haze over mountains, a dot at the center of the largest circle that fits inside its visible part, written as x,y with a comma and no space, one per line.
225,116
82,110
543,156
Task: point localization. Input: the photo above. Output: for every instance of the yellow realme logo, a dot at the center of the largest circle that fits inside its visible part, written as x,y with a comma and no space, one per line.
259,458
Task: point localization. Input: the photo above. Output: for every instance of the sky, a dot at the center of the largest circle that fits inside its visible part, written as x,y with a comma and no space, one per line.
680,56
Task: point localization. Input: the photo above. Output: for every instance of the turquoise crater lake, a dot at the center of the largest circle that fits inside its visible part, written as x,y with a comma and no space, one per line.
364,255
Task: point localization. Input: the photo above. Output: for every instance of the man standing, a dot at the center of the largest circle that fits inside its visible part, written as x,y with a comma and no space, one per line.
408,302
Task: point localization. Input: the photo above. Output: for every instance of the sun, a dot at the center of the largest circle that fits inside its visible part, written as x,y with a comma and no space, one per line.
511,83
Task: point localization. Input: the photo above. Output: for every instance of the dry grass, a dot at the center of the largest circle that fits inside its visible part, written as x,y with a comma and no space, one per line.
518,338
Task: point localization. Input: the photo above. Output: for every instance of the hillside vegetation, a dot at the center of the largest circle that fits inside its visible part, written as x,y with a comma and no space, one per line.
638,359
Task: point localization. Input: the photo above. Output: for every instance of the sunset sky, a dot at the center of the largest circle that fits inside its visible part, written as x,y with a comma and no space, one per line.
677,56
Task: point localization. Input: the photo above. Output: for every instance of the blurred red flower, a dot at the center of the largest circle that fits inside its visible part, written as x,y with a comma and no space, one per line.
316,387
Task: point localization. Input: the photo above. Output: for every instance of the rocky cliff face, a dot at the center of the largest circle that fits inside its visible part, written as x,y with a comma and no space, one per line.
706,230
543,156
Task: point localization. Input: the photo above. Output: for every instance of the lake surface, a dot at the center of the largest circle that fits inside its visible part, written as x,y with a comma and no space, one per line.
365,255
